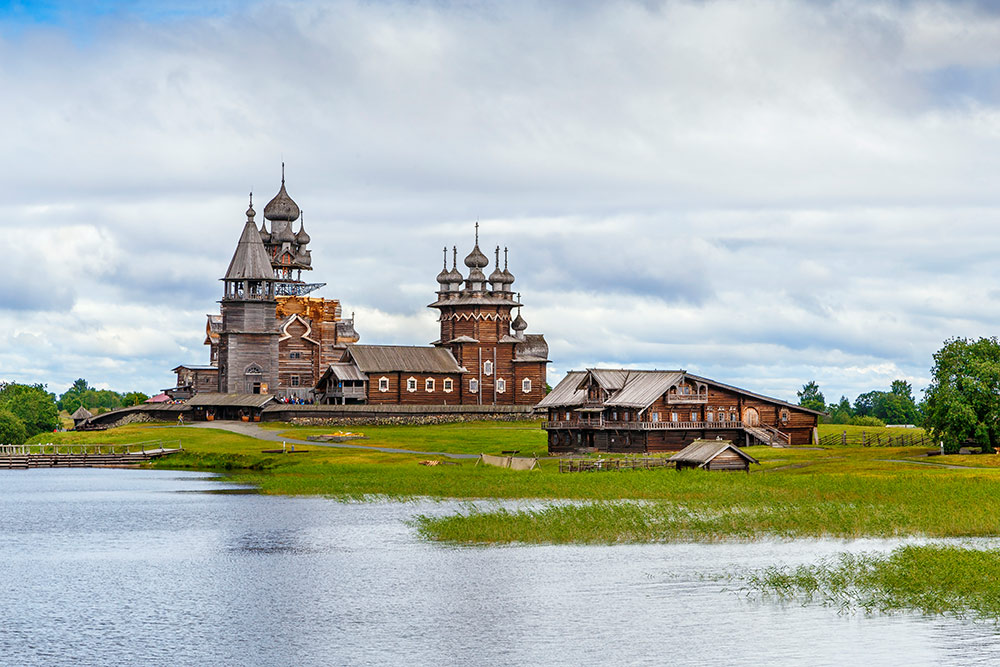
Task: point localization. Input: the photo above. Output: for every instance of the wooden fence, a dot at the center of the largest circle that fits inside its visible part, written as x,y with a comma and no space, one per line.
83,456
625,463
876,439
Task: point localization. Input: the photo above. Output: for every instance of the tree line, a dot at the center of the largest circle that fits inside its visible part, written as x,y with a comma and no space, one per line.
29,409
960,407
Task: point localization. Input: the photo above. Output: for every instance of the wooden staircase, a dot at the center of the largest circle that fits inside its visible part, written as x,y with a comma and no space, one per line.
768,435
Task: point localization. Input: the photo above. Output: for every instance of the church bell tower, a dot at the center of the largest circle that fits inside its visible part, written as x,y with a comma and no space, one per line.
248,340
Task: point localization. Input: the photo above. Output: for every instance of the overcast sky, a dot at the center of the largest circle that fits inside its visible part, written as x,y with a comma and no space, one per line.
761,192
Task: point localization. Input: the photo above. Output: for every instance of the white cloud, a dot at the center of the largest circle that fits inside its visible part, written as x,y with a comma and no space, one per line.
765,193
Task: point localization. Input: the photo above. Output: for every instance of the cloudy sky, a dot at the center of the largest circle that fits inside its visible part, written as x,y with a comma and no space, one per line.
761,192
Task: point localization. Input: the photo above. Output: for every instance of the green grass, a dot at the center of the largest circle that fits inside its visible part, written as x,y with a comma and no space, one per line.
930,579
486,437
828,429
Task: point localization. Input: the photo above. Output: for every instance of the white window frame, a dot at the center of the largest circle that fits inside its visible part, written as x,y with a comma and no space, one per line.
526,385
673,416
448,385
501,385
411,384
473,386
487,367
709,416
429,384
383,384
656,416
694,416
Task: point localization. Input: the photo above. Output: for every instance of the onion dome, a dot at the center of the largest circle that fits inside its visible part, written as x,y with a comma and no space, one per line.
264,236
282,207
302,238
508,277
455,276
519,325
304,257
444,277
281,232
497,277
476,259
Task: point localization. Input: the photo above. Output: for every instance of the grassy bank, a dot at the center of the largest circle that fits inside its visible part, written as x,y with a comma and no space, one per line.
928,579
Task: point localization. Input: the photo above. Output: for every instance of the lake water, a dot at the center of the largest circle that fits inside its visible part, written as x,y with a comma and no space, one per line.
128,566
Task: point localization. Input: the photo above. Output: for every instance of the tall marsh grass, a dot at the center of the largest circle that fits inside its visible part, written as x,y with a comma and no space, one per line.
931,579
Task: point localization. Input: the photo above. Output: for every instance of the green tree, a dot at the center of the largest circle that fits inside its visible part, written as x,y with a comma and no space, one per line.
963,399
32,404
811,397
134,398
840,412
72,398
12,431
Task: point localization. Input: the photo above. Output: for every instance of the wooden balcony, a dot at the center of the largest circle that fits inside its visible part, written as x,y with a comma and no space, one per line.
606,425
687,399
347,392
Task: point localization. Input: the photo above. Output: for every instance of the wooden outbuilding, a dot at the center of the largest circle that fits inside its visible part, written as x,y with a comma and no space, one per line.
713,455
82,414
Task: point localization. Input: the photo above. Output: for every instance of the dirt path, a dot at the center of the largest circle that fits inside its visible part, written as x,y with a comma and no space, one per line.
255,431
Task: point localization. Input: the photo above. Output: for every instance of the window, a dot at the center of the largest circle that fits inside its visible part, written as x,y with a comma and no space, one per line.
487,368
411,384
614,415
709,416
673,416
295,355
732,416
526,385
784,416
294,380
448,385
567,416
685,390
694,416
473,386
383,384
501,385
656,416
429,384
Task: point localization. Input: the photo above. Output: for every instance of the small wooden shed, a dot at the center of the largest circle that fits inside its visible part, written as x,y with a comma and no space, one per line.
713,455
82,414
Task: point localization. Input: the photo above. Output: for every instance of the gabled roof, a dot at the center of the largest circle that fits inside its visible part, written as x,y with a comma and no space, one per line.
643,387
346,371
403,358
760,396
250,261
636,388
81,413
701,452
566,393
194,368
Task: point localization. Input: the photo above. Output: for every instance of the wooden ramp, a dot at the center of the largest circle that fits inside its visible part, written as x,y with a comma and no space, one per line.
81,456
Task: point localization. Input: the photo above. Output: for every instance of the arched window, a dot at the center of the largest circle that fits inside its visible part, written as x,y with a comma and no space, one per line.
473,386
429,384
487,368
501,385
526,385
383,384
448,385
411,384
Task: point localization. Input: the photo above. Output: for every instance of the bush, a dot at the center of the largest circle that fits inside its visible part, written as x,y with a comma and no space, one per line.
12,430
867,421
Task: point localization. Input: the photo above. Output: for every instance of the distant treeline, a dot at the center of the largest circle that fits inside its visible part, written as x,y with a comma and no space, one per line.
874,408
96,400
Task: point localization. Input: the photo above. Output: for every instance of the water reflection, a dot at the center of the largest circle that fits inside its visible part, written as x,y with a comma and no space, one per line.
110,567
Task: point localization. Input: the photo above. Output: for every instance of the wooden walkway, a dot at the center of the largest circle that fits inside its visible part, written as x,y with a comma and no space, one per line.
21,457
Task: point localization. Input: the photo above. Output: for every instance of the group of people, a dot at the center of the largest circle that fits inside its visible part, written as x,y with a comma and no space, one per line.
295,400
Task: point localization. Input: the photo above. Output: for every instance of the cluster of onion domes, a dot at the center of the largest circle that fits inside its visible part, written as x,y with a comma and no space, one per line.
282,212
499,281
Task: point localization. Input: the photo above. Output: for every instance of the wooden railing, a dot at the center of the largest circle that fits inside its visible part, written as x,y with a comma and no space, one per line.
687,398
642,426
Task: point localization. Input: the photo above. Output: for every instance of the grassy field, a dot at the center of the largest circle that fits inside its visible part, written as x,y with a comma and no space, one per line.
463,438
931,579
828,429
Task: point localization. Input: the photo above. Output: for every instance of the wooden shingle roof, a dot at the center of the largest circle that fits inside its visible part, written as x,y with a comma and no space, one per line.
403,358
81,413
250,261
701,452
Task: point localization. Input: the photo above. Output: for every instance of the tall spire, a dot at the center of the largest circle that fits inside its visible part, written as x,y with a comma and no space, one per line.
508,277
444,277
496,278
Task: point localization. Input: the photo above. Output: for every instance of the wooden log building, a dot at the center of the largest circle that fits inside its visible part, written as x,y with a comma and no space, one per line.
621,410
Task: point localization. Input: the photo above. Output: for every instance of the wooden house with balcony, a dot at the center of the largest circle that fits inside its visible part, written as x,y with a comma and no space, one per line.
621,410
